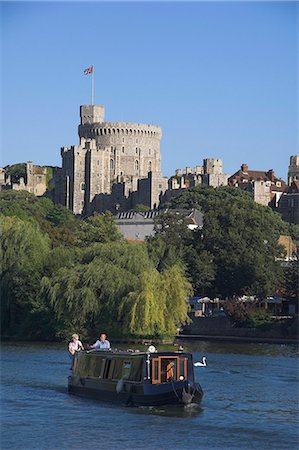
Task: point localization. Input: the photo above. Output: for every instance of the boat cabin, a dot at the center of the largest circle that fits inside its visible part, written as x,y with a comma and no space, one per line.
138,367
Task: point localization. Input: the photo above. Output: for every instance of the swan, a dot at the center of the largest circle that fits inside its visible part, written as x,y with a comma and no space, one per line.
201,364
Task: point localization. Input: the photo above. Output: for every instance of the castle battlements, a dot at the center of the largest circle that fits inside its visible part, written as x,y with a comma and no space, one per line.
109,153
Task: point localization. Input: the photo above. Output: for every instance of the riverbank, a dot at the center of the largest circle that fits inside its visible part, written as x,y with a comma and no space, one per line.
259,340
281,331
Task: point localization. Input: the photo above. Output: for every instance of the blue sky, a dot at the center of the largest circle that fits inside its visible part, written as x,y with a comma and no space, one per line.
220,78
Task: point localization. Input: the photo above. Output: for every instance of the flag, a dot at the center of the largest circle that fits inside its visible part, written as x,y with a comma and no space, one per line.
88,70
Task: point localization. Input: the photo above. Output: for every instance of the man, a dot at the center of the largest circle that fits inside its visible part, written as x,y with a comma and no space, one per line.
102,343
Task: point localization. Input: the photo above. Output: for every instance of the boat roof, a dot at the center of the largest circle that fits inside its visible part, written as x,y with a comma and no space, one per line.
131,352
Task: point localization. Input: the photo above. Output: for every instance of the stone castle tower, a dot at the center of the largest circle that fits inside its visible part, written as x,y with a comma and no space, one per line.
293,171
109,153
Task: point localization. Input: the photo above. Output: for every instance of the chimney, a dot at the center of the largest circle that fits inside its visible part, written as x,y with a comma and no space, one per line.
271,174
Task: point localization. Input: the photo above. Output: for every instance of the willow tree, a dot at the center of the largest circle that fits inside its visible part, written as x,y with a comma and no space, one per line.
24,250
86,296
159,304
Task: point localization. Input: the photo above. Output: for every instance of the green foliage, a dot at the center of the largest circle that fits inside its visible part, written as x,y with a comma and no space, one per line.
24,250
140,208
290,285
247,315
159,304
235,252
62,274
16,171
99,228
260,319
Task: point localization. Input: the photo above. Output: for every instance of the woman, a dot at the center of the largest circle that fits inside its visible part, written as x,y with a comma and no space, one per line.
75,345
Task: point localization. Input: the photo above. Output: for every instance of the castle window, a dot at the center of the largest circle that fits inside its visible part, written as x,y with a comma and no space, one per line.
150,166
82,186
136,150
123,138
136,165
123,149
111,149
111,164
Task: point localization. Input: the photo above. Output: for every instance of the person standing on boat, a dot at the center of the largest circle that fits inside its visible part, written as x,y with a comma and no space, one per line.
75,345
102,343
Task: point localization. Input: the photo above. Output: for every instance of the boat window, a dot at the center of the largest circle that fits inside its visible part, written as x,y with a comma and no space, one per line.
117,373
108,370
167,369
99,366
156,371
136,369
183,368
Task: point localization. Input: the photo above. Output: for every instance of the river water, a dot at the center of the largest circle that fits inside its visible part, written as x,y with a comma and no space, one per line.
250,402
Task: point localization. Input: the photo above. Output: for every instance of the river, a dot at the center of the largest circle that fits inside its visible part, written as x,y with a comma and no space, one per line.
250,402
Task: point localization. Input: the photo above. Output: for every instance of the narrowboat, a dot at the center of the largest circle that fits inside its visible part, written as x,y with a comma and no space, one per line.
135,378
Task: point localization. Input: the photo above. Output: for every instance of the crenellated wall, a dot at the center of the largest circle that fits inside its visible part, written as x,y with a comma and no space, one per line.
109,153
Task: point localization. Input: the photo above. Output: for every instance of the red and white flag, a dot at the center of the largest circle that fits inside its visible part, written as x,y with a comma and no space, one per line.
88,70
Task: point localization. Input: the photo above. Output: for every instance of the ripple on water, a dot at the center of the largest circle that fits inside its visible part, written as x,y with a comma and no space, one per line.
250,401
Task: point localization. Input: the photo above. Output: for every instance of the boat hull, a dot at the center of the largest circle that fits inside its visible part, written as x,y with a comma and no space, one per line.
137,394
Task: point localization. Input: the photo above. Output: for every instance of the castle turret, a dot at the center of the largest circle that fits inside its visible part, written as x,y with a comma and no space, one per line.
91,114
293,172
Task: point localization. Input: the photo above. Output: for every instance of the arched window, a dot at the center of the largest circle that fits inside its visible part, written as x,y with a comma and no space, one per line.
150,166
111,164
136,165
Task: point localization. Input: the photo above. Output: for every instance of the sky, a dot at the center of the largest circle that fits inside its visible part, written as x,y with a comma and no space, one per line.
220,78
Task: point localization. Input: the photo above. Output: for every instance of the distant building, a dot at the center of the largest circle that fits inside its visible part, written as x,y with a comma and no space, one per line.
210,174
293,171
136,226
35,180
264,186
113,161
288,205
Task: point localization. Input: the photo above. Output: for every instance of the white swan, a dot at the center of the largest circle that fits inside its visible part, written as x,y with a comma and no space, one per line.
201,364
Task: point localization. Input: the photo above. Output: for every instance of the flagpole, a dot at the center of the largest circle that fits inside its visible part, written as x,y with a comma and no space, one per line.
92,85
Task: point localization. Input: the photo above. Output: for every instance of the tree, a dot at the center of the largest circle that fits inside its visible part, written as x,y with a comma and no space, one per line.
24,250
159,304
243,240
98,228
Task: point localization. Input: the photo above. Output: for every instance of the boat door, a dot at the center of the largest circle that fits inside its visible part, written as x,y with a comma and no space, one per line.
166,369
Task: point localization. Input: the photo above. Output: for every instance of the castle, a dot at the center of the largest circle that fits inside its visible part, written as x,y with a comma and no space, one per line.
115,166
34,179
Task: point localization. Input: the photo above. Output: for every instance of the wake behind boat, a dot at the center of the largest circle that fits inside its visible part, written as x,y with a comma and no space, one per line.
135,378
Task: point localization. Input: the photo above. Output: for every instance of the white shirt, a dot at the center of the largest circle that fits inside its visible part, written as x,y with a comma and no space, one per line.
75,346
101,344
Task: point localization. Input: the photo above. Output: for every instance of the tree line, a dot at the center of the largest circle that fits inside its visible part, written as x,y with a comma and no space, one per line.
61,274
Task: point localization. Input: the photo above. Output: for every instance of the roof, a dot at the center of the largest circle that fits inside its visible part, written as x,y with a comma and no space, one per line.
244,174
